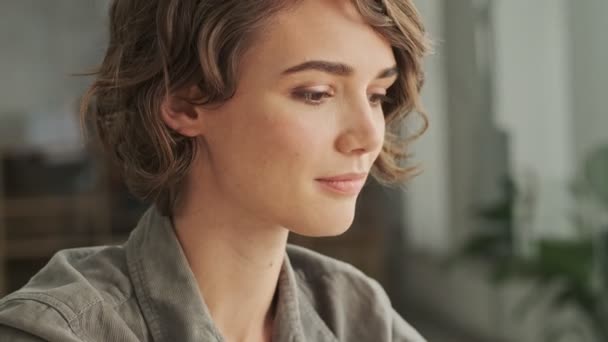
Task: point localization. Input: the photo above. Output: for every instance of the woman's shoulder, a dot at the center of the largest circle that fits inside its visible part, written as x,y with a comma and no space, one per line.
346,299
79,277
77,286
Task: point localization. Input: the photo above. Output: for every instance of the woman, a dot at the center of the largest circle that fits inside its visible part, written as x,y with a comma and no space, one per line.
241,121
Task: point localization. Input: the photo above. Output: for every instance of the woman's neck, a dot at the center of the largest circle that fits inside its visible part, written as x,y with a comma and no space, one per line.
236,263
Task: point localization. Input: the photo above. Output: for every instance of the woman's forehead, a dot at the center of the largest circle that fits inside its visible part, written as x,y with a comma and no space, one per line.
321,30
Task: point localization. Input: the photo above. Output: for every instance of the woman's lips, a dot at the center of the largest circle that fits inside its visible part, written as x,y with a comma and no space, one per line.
349,184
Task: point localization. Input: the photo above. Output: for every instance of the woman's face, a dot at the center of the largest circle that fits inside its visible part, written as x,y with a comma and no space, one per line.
295,144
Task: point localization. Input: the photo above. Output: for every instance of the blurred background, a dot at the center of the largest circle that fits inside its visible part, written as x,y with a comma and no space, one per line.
503,237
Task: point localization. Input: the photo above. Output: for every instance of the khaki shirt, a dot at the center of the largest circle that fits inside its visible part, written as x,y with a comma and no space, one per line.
144,290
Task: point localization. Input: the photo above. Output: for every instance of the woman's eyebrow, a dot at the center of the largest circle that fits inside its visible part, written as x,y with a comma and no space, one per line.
335,68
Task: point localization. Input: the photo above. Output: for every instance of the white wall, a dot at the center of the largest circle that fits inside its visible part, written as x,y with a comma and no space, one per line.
462,154
427,199
42,43
550,91
534,105
589,56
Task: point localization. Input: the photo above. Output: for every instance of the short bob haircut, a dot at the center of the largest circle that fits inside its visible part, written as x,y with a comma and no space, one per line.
157,47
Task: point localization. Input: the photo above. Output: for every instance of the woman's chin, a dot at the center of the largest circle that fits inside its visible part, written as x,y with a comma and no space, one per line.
330,226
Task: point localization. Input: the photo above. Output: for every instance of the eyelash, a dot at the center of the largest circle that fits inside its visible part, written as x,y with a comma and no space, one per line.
307,95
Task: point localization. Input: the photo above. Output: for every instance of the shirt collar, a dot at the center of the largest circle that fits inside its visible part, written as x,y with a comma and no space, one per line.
172,305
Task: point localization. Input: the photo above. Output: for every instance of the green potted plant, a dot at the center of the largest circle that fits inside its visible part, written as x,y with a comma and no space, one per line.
579,266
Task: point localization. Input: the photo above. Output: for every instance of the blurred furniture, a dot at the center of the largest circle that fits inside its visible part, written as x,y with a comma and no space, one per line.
47,205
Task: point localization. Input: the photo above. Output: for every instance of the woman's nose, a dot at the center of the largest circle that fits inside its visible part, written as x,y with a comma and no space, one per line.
361,129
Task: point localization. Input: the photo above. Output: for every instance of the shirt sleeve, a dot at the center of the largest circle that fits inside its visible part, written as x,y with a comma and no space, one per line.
15,335
32,321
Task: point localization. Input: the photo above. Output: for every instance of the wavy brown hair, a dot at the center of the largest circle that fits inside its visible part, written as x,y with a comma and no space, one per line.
157,47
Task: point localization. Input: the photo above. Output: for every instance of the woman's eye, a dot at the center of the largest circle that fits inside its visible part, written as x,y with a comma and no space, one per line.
318,97
312,97
379,99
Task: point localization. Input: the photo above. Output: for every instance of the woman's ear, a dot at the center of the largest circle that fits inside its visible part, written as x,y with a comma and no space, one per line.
178,111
